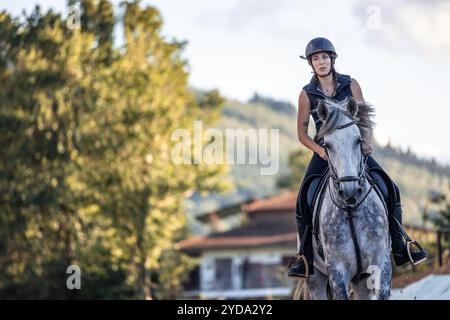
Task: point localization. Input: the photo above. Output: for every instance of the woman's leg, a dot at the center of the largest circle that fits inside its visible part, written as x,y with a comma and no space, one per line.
394,206
316,167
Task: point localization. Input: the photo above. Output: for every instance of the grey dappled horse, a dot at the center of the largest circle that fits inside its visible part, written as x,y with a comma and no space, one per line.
353,225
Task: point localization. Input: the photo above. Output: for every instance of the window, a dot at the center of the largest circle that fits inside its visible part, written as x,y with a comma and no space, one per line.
223,274
262,275
193,282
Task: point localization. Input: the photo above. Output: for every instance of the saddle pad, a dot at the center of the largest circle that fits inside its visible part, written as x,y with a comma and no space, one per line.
319,260
317,204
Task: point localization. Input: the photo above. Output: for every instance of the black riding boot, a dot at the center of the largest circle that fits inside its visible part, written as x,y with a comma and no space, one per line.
301,266
403,254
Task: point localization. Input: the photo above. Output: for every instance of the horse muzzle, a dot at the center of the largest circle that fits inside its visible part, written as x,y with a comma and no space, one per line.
349,193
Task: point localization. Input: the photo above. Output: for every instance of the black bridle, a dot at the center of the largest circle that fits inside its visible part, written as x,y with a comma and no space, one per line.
338,180
350,208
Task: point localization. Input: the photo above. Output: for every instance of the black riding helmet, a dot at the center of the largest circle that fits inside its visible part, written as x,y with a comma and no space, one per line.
318,45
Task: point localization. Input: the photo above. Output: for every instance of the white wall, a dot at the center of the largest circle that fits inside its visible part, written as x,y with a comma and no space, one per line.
207,271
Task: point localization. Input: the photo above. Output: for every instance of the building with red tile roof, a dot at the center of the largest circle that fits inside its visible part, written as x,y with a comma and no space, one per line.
248,260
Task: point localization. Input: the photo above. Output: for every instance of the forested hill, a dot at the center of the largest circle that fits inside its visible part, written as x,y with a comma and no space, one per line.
390,151
415,176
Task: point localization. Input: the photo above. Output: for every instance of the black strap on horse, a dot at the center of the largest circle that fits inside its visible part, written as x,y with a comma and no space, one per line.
359,275
409,242
302,242
349,209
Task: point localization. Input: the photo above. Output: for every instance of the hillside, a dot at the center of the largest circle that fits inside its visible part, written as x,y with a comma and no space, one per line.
415,177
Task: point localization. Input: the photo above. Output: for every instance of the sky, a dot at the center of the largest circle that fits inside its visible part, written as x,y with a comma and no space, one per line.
398,51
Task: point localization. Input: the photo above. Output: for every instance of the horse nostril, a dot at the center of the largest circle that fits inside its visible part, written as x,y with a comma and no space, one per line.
351,201
359,191
341,192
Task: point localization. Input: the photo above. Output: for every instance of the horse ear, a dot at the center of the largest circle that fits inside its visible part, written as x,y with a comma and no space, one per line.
322,110
352,106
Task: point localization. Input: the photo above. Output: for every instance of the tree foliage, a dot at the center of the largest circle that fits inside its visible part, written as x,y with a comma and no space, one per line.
86,174
298,163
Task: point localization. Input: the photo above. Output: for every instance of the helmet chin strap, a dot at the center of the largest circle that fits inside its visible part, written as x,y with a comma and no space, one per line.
331,70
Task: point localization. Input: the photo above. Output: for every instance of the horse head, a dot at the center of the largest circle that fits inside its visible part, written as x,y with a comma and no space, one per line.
342,139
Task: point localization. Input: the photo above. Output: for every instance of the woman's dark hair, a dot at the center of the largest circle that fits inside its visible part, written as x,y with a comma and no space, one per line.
333,72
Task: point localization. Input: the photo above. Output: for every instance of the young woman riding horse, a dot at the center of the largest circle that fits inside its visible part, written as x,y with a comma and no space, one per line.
326,83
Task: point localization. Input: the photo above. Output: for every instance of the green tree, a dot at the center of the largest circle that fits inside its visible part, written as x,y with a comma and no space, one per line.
86,174
40,73
441,219
438,213
298,162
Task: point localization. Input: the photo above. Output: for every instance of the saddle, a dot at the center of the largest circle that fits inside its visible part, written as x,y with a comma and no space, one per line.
314,189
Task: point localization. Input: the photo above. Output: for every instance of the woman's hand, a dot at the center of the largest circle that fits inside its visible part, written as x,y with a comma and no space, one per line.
321,152
367,149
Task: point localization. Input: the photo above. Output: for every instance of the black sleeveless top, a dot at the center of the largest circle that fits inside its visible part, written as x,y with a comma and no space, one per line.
343,90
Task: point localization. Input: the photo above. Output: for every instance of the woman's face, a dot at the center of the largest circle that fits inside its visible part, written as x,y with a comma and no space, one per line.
321,63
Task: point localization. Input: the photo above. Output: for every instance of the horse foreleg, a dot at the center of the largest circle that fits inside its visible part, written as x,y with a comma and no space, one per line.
380,279
385,283
339,281
317,286
362,290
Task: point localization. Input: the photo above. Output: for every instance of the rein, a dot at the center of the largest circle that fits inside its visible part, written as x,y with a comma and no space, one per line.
362,163
349,209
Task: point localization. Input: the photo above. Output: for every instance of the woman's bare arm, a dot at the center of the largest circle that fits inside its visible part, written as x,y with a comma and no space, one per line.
304,109
356,91
358,95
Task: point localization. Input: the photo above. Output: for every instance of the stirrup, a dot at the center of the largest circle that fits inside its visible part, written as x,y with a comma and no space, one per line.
409,243
305,262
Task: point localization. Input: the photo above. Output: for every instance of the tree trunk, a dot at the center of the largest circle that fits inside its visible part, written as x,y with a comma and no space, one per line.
143,280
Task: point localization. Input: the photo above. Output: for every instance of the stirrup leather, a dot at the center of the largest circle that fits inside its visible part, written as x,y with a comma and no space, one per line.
410,243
